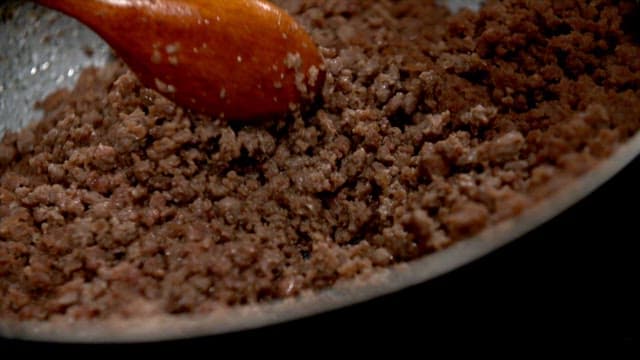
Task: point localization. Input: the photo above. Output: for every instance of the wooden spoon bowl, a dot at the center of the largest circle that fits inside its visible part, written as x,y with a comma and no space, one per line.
238,59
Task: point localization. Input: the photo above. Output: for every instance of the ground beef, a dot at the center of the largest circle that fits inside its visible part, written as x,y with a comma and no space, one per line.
430,128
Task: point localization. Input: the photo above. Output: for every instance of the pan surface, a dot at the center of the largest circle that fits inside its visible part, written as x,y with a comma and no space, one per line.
41,50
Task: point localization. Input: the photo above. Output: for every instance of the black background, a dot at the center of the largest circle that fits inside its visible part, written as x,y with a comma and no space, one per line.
572,281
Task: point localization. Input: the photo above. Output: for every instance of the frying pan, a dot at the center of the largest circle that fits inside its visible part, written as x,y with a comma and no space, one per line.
41,50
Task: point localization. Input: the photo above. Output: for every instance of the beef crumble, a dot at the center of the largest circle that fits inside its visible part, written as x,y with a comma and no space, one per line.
431,127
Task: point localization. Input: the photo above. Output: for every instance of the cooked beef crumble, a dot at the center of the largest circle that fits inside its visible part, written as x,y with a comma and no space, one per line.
431,127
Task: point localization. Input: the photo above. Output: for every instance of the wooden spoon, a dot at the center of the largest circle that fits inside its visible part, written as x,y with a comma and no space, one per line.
238,59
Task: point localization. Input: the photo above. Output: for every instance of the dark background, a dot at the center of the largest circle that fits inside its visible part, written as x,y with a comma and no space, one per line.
572,281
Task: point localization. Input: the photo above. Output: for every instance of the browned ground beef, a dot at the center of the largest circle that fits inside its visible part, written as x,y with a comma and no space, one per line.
431,127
